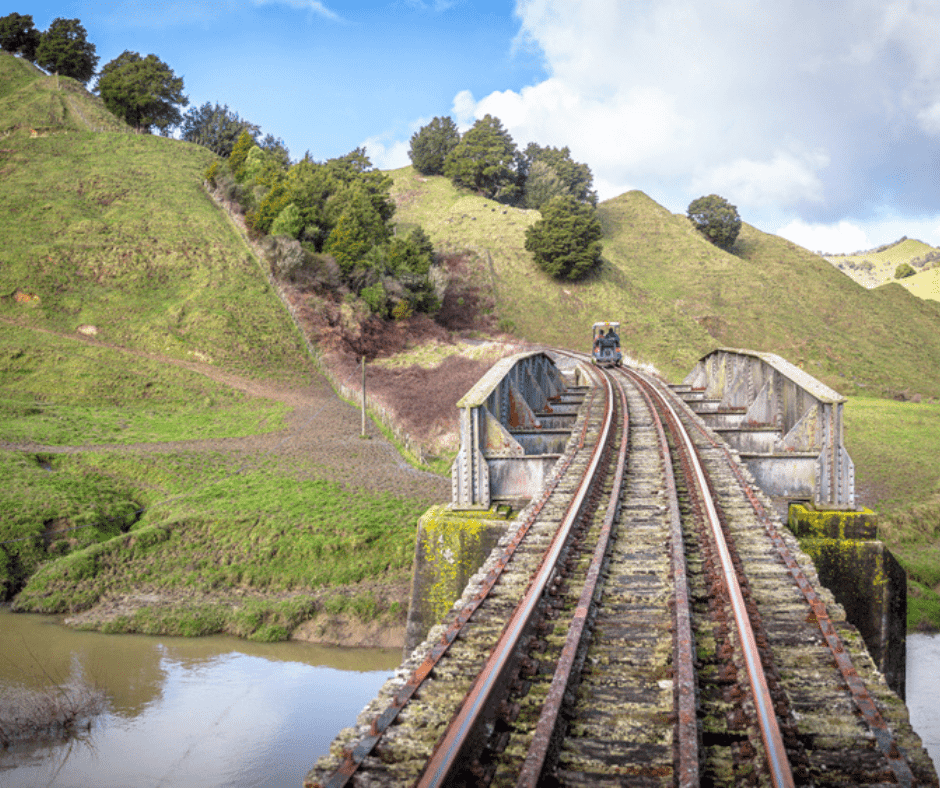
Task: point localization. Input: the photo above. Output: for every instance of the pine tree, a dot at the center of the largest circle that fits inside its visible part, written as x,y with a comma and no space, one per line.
566,241
431,144
64,49
485,160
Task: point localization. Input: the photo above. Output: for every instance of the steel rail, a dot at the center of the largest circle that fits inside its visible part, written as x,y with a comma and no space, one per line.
777,759
860,694
356,755
688,766
447,755
546,728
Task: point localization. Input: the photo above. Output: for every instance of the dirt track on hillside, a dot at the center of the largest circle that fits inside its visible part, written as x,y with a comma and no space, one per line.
321,429
322,440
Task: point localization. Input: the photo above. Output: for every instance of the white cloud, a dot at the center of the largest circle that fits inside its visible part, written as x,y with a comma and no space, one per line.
814,107
785,179
843,237
929,119
463,108
387,156
311,5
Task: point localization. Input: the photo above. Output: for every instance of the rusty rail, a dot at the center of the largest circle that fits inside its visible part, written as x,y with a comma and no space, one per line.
447,756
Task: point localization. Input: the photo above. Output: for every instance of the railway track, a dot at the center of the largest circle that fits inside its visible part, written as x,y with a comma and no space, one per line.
626,644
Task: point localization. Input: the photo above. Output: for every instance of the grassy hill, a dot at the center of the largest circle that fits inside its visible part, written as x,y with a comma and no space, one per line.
134,319
678,296
162,429
30,100
877,266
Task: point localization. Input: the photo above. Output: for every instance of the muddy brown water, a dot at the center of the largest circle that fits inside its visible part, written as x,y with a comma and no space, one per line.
219,711
215,711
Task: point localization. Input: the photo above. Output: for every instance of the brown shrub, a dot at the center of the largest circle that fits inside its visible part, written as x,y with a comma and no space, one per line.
52,712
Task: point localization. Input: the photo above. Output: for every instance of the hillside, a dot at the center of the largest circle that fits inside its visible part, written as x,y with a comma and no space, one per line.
30,100
678,296
172,460
114,232
877,266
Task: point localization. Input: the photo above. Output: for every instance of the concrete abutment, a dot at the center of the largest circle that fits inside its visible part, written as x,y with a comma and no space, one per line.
863,576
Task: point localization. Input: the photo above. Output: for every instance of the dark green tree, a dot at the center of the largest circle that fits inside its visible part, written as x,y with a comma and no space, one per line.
485,160
64,49
903,271
358,229
431,144
716,219
310,185
142,91
541,184
566,241
411,253
550,172
355,169
276,147
18,36
216,128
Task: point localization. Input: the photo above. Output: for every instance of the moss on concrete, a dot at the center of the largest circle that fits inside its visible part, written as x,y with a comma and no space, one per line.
864,578
450,547
806,521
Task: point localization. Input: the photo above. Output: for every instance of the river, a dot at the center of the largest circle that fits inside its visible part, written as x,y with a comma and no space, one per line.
183,712
219,711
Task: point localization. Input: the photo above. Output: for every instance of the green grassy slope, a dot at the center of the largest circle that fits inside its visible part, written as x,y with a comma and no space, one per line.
678,296
31,100
110,237
529,302
115,231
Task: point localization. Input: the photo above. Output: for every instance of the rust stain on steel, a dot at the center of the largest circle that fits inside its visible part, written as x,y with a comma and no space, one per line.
863,700
548,719
356,755
777,759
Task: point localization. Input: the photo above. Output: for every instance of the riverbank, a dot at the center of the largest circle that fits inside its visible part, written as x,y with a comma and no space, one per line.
344,616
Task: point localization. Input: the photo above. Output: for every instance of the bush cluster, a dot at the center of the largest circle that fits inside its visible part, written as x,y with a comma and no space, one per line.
565,242
328,224
486,159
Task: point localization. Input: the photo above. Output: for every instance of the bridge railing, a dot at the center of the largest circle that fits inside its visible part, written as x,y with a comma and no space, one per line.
808,458
505,448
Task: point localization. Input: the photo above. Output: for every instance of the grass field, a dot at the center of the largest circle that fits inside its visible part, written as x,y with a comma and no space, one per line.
134,320
877,266
895,446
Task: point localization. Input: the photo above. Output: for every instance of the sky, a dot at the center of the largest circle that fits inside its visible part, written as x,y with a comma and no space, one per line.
818,119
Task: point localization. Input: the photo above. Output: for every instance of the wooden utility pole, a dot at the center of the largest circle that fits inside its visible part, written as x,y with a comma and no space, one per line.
363,397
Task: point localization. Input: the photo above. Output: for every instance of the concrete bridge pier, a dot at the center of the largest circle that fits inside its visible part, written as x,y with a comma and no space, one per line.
515,424
864,577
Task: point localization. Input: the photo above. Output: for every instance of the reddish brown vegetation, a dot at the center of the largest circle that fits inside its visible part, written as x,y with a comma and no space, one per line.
422,401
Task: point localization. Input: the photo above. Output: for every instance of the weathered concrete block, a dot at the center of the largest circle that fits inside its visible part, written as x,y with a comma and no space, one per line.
450,547
864,578
821,523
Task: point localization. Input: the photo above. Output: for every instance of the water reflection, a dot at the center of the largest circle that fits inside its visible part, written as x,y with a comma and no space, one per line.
923,691
206,712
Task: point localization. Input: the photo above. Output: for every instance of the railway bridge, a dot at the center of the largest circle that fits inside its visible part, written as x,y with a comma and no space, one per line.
646,618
